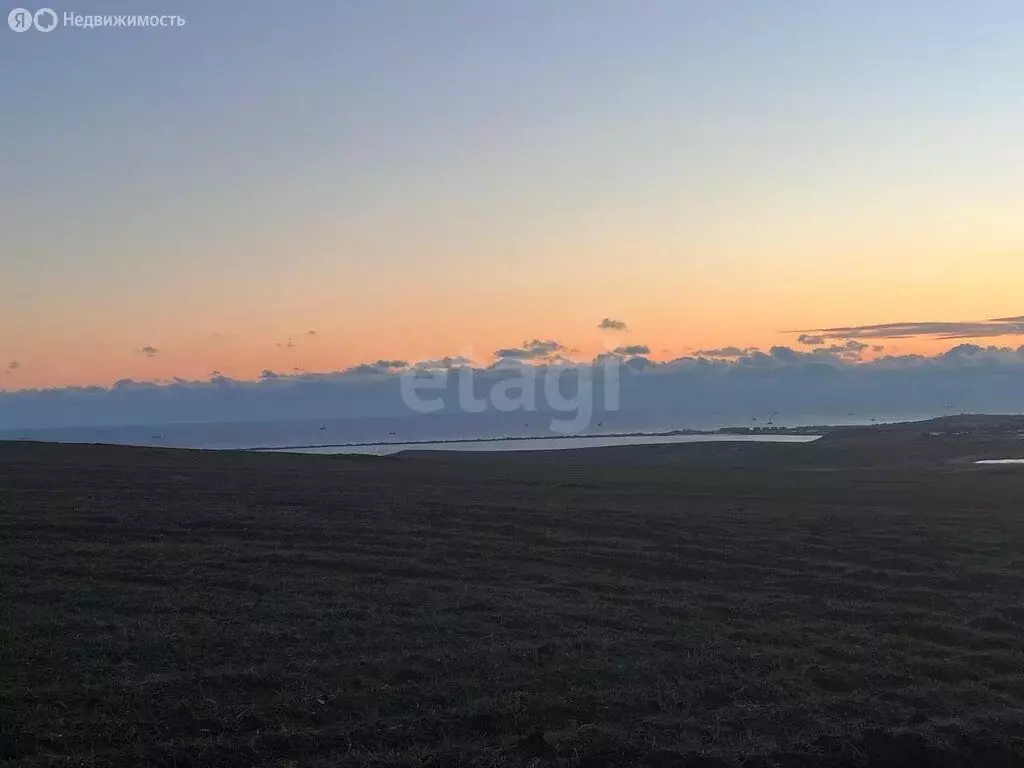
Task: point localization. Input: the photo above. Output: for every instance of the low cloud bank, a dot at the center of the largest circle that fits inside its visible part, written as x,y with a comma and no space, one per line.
731,385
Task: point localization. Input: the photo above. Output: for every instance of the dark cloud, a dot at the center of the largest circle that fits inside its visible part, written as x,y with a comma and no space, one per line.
785,354
1009,326
824,384
443,363
851,349
365,368
632,350
977,354
150,351
13,366
608,324
131,385
379,367
640,363
725,352
531,350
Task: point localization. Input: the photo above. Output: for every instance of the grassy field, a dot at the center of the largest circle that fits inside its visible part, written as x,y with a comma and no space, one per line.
179,608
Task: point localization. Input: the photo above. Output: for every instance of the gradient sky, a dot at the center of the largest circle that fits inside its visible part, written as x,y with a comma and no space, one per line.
438,177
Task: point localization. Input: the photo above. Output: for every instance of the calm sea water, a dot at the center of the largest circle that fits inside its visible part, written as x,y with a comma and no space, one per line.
546,444
444,428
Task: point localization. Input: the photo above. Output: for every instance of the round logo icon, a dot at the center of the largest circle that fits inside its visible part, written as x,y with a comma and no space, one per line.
19,20
45,19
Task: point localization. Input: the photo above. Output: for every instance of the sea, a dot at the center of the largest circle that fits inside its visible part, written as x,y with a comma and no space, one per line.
543,443
449,432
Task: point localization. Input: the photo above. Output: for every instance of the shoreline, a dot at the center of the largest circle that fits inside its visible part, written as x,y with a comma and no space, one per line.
732,432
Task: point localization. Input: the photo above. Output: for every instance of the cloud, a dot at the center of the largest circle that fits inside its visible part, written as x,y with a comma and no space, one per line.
848,349
444,363
379,367
851,349
975,354
810,385
608,324
13,366
1009,326
806,338
785,354
365,368
531,350
725,352
825,374
632,350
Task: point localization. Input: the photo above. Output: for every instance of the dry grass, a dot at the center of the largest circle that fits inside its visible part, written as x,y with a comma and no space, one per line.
174,608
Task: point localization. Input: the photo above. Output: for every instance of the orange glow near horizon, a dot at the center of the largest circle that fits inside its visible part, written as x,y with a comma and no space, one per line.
242,358
677,292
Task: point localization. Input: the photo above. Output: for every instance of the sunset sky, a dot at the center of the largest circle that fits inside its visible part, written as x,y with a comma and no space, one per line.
415,179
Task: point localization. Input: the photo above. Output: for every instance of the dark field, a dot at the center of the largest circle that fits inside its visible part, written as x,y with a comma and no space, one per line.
625,607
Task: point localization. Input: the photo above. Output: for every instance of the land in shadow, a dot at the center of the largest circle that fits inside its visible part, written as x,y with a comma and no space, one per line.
850,602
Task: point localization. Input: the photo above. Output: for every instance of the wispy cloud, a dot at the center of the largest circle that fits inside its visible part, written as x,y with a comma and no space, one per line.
1008,326
150,351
